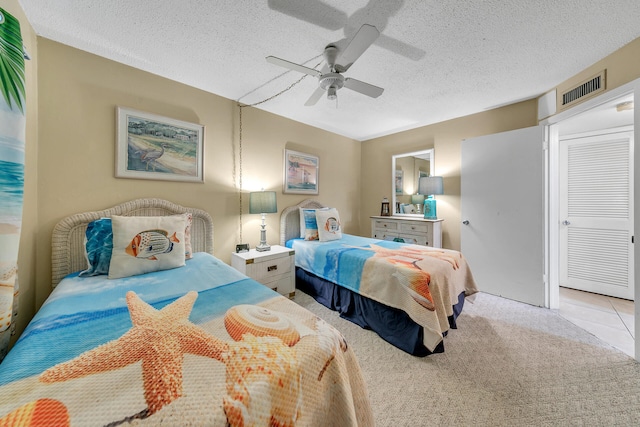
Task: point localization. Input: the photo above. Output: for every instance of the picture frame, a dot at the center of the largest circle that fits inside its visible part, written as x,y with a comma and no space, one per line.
399,181
301,173
149,146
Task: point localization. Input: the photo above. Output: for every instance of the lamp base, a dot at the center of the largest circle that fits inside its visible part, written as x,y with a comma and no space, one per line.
263,246
430,208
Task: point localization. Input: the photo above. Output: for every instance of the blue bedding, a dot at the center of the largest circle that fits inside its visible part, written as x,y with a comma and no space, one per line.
416,283
201,342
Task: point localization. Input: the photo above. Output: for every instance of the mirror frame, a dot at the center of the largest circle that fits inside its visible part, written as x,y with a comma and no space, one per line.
431,153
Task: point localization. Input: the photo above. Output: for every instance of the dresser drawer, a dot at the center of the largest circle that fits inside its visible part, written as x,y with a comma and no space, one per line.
419,239
414,227
386,225
265,271
423,231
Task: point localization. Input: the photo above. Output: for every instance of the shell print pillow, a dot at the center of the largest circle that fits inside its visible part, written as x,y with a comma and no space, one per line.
145,244
329,227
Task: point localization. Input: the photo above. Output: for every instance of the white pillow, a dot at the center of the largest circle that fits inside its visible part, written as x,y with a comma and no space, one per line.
144,244
329,227
408,208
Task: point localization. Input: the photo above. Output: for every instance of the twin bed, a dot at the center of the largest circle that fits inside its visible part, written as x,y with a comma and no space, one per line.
410,295
145,325
194,342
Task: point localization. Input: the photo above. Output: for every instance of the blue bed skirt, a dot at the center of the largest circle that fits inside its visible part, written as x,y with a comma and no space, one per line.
392,324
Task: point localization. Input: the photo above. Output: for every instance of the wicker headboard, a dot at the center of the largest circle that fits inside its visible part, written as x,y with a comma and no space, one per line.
290,219
67,241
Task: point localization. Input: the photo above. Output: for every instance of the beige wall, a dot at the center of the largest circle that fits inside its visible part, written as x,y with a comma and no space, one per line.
445,138
78,95
623,66
71,101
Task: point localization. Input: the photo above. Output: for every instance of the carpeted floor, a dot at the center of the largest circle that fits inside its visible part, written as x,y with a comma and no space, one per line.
507,364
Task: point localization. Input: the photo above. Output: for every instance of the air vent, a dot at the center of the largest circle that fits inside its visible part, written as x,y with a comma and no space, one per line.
584,90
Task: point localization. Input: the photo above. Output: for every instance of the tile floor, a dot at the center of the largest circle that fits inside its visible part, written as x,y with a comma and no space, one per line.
610,319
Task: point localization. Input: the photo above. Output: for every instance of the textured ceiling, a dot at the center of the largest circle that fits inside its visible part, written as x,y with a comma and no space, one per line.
436,59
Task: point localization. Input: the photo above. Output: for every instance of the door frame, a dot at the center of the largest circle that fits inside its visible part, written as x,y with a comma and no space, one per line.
553,224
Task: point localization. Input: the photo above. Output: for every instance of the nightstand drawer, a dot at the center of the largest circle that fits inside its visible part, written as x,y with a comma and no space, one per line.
280,284
264,271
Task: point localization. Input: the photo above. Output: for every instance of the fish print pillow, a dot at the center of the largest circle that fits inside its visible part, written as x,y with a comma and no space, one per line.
329,227
99,244
142,244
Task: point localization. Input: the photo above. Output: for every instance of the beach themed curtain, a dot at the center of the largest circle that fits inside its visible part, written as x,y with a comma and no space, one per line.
12,136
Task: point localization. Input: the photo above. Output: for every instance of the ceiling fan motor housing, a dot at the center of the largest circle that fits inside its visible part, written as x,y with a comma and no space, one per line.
335,80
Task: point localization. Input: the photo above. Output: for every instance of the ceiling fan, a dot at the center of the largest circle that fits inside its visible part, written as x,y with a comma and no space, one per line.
330,78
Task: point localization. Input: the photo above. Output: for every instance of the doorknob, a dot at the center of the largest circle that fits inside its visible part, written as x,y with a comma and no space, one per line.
465,222
566,222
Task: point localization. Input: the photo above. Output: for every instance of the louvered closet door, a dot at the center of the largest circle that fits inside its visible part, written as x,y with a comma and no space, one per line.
596,214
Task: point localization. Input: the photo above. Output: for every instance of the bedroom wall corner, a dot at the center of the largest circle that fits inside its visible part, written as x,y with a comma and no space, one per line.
79,93
445,138
29,228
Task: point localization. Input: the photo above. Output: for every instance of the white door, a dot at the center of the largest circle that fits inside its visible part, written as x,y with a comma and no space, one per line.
503,210
596,213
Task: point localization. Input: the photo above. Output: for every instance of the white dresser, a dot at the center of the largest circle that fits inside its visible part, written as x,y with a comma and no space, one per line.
426,232
274,268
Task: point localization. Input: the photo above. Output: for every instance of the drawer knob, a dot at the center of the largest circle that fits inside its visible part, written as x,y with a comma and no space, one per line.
272,267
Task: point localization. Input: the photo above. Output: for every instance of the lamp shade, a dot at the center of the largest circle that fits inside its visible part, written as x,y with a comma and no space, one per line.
417,199
430,185
262,202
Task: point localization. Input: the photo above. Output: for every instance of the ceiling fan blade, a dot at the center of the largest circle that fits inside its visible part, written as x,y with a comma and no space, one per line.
293,66
365,36
315,97
363,88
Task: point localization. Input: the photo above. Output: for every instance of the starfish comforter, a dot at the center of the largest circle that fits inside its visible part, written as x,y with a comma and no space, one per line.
196,345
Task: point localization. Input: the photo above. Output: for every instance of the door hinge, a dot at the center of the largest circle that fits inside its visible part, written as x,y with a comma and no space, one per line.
632,239
545,145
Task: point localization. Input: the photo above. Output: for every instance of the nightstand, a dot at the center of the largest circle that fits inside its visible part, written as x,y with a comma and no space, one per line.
274,268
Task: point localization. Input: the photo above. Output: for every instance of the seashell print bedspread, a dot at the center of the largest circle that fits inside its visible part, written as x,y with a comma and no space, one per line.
422,281
196,345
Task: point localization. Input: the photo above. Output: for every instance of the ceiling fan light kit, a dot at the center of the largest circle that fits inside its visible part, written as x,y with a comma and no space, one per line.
330,79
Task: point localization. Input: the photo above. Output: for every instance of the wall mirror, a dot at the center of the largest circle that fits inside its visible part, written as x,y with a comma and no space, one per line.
406,171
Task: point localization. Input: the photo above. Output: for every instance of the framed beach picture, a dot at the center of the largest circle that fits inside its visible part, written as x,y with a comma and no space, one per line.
300,173
155,147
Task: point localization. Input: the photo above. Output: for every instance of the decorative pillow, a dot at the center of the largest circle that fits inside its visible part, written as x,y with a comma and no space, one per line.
408,208
302,227
143,244
98,246
329,227
312,216
310,224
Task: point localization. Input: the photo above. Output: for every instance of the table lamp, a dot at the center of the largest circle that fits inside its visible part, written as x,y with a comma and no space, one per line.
263,202
417,199
430,186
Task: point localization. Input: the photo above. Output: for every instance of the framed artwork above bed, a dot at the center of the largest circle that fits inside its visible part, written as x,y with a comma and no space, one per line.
149,146
300,173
